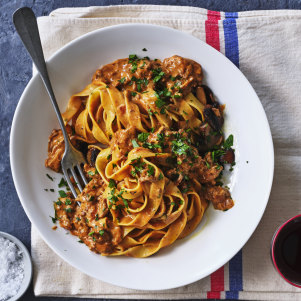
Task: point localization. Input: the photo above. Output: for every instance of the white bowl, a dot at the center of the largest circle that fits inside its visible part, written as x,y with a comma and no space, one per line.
221,234
27,266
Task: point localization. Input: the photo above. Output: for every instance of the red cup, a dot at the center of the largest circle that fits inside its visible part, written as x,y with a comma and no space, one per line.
286,251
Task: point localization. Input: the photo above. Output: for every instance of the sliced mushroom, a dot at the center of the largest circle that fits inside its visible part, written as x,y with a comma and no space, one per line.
216,122
228,157
92,155
201,96
209,95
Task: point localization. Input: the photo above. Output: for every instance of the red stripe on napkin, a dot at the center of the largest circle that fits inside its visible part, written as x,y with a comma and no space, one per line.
211,29
217,284
212,38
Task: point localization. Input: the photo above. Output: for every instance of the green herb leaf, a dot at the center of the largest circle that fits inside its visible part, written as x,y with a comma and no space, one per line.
54,219
62,183
112,183
91,173
68,202
160,103
135,144
150,170
229,142
62,194
49,177
157,74
207,164
101,232
122,80
142,137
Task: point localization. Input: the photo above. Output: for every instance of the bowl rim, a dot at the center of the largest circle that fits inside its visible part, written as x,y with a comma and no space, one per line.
256,99
28,273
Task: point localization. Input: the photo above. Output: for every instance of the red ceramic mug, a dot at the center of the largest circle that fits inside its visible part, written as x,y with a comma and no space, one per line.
286,251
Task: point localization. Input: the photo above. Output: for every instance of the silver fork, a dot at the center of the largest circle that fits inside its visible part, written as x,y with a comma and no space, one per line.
26,25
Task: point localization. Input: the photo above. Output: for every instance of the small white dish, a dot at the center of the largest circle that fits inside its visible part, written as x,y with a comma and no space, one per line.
27,266
221,234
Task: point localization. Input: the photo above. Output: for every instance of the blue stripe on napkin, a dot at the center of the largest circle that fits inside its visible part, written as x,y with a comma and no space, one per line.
232,53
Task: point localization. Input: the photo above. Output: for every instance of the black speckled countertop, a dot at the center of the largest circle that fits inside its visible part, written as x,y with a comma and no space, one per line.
16,71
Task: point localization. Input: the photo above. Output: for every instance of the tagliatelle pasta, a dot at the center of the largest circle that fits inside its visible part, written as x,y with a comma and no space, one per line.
152,135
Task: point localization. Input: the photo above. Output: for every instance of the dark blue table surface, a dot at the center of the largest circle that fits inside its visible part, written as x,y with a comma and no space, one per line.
15,73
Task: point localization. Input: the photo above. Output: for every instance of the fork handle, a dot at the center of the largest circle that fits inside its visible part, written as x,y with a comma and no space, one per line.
26,25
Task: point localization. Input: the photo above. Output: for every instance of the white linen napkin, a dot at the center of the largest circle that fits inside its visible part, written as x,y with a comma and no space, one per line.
268,49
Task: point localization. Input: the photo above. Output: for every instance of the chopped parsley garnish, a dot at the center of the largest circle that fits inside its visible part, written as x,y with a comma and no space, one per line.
54,219
138,165
135,144
159,102
160,136
62,183
78,219
68,202
91,233
112,183
51,189
160,176
179,147
150,170
80,241
144,49
139,82
114,199
49,177
207,164
133,59
133,93
109,157
91,173
62,194
58,202
122,80
157,74
228,143
142,137
101,232
217,153
68,210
